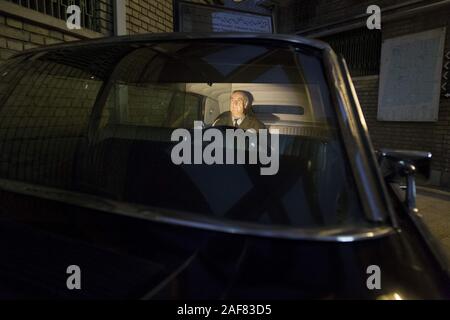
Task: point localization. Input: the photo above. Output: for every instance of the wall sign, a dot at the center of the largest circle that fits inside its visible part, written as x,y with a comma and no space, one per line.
192,17
446,76
410,77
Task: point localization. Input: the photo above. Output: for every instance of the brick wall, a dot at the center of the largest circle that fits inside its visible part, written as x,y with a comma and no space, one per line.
21,30
142,16
426,136
149,16
106,17
17,35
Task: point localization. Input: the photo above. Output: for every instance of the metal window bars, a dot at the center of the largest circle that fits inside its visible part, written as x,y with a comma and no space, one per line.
90,9
361,49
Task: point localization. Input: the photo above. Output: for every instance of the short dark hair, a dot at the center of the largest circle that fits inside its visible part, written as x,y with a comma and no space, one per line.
247,95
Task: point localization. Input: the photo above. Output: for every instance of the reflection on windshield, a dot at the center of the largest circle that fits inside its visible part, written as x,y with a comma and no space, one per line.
115,141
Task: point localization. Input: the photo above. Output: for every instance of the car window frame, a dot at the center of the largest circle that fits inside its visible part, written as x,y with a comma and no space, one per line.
341,100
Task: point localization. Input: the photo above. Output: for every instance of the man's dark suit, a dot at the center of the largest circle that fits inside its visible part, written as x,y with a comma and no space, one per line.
249,122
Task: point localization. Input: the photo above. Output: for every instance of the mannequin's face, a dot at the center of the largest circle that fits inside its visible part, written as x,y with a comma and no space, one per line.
238,107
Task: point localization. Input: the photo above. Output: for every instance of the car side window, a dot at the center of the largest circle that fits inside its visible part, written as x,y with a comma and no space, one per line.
152,105
44,113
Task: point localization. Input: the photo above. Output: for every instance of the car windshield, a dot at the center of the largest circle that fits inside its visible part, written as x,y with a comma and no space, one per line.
134,122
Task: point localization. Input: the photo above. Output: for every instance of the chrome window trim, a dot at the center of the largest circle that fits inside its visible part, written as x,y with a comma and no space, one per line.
372,201
185,219
365,136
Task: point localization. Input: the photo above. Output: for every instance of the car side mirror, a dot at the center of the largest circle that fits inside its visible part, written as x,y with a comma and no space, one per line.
405,164
421,160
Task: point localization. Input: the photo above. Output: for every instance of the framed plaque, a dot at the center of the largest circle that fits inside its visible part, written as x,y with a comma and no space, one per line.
410,78
193,17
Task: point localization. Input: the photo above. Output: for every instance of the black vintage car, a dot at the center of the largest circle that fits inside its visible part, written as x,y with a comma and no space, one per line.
88,182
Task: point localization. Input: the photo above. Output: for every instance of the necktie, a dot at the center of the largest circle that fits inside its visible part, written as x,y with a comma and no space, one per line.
236,122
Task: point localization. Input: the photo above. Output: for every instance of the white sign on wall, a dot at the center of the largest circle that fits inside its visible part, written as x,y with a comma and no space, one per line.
231,22
410,77
192,17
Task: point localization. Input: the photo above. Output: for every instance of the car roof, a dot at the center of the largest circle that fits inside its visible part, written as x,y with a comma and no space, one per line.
150,37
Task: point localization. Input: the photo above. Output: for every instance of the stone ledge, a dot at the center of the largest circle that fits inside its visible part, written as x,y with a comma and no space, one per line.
36,17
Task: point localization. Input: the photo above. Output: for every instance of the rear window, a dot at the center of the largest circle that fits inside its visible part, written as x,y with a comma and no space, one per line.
101,121
270,109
